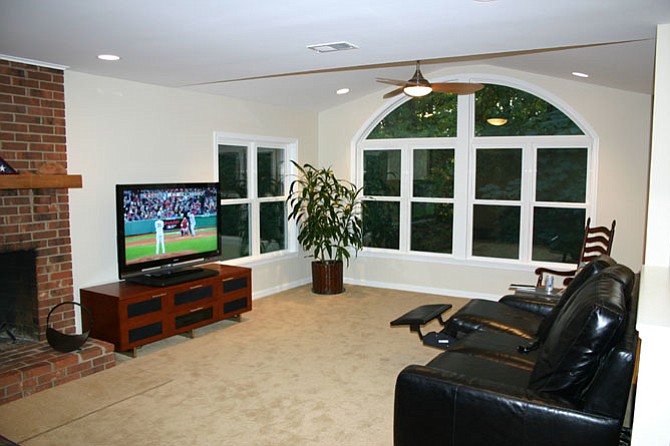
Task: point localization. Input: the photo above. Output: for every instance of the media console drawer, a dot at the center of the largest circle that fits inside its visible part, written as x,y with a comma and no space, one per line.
131,315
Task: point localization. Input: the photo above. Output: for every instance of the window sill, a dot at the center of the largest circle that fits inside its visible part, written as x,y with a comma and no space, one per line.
510,265
263,259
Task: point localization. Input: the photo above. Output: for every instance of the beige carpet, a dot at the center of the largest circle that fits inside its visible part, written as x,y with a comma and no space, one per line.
300,369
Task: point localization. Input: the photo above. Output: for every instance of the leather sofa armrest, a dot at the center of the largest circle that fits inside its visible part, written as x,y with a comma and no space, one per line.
534,303
434,406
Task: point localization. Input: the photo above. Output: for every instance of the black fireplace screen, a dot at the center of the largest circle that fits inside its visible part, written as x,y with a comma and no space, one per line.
18,295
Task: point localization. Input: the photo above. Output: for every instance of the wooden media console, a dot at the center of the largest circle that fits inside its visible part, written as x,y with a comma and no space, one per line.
130,315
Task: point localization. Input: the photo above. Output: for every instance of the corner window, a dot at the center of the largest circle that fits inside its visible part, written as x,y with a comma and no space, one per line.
253,182
514,184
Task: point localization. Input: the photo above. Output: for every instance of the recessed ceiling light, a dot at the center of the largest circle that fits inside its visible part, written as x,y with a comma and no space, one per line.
579,74
110,57
342,91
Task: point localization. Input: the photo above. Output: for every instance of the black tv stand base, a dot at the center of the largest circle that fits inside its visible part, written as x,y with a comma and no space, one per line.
175,277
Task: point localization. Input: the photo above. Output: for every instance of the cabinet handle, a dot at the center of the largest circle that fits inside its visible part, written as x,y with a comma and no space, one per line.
195,287
196,309
159,295
228,279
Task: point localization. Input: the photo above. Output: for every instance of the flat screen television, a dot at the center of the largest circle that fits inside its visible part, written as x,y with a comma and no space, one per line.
165,229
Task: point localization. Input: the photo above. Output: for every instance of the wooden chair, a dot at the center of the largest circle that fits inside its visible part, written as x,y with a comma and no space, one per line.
597,240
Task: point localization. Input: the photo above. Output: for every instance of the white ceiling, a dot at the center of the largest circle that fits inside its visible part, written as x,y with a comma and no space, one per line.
179,43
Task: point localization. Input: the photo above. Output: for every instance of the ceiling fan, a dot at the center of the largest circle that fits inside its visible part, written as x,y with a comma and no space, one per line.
419,86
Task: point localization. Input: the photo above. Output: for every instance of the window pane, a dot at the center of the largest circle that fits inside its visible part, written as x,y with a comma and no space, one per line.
431,116
496,231
434,173
234,231
498,174
381,227
273,230
561,175
525,114
381,174
432,227
270,172
233,171
558,234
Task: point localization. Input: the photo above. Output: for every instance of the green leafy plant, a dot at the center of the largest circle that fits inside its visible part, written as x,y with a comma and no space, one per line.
327,212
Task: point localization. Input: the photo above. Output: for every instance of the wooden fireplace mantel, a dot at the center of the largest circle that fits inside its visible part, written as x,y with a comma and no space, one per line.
37,181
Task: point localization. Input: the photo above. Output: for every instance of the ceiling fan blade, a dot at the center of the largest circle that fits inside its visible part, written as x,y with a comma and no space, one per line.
392,81
395,92
456,87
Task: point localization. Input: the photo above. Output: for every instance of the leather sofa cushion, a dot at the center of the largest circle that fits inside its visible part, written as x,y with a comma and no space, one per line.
498,347
585,329
477,368
485,315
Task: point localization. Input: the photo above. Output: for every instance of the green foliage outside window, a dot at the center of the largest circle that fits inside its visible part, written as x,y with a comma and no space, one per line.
432,116
432,226
381,173
433,173
235,231
498,174
561,175
381,224
526,114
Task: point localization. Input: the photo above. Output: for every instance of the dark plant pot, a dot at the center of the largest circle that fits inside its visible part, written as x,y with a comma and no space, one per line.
327,277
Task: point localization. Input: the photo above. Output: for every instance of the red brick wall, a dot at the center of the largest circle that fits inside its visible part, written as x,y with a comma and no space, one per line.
32,133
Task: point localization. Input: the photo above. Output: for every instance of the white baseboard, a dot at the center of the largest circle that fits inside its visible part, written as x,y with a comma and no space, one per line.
421,289
259,294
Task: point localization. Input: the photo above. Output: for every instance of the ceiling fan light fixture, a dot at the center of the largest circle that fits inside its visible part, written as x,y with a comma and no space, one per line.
416,91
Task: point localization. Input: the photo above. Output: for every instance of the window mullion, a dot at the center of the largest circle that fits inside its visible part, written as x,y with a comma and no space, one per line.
527,202
406,175
462,167
252,165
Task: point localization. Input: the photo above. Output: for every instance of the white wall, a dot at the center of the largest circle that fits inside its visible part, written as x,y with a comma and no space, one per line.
128,132
621,121
124,132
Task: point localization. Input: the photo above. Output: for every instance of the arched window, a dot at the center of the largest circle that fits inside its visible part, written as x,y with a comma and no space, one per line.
502,174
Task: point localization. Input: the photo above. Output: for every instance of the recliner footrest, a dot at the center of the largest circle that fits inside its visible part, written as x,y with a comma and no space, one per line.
421,316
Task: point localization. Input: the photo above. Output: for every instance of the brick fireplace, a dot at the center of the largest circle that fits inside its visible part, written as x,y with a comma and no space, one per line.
35,218
32,134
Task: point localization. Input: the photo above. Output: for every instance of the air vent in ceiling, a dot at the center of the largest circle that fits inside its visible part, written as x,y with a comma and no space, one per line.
330,47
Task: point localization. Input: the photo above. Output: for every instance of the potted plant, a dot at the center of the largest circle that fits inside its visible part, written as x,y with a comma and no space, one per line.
327,212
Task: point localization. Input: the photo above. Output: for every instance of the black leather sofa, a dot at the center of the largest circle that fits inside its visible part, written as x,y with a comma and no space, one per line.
570,388
524,315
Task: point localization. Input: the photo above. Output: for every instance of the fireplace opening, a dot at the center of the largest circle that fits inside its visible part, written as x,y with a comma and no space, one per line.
18,296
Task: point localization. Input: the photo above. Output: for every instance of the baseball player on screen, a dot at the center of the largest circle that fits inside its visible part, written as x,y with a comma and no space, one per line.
191,223
160,235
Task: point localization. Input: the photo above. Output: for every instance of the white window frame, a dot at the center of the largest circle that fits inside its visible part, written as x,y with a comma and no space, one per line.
252,143
464,145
